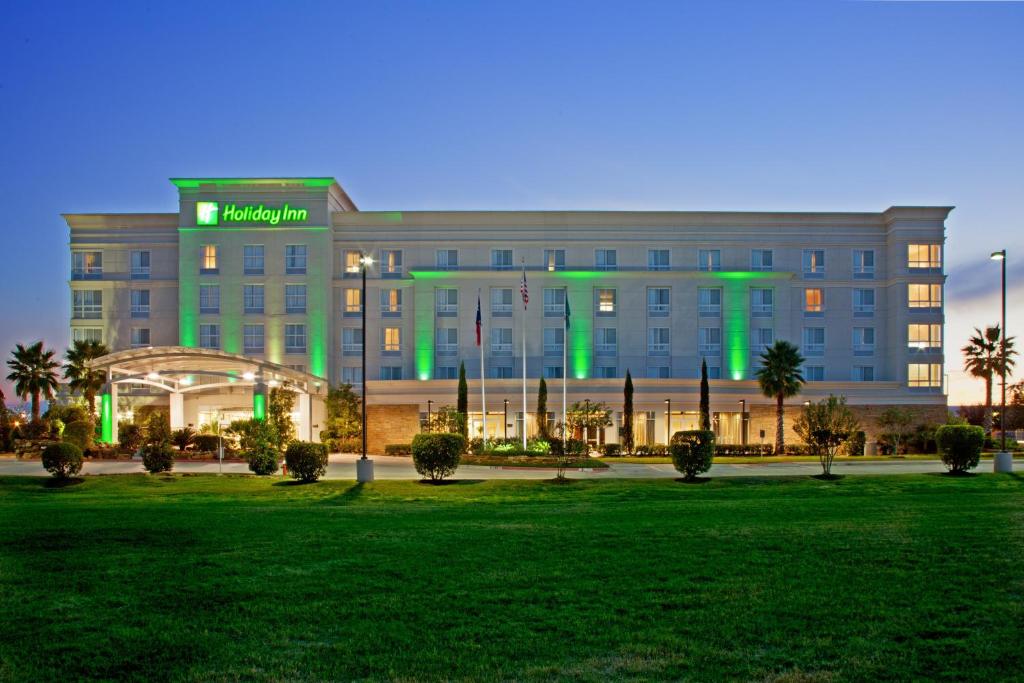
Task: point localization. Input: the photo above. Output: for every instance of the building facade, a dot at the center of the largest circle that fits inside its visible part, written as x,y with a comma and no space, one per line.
270,269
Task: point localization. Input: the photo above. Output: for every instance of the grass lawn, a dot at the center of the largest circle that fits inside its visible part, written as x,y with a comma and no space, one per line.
238,578
753,459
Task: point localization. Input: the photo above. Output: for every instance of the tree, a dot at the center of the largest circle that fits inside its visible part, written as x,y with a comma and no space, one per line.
463,400
705,397
279,411
33,372
586,415
780,378
896,425
344,419
826,426
446,420
80,376
983,359
626,433
542,409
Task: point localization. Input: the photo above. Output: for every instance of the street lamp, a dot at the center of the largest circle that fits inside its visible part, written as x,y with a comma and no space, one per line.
364,466
429,404
743,421
506,419
668,421
1003,462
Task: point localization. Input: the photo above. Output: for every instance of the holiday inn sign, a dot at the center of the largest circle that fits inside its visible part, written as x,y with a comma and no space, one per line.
211,213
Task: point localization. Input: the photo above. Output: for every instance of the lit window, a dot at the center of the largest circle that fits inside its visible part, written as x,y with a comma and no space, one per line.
924,296
295,256
606,341
87,304
658,301
353,301
209,336
762,302
709,341
554,302
501,259
709,259
554,340
605,301
391,340
295,298
447,259
657,259
140,259
863,302
447,301
814,341
554,259
710,301
924,256
140,303
252,338
863,263
140,337
391,302
814,262
294,338
501,301
252,299
924,375
606,259
86,265
209,298
924,337
814,301
657,340
353,265
252,259
208,259
501,340
447,341
351,341
863,341
762,260
390,263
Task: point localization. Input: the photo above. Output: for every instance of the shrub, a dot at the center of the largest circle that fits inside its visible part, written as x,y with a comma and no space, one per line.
258,440
306,461
157,458
62,460
158,429
739,450
540,446
339,445
650,449
397,449
693,451
855,444
183,438
437,455
80,433
263,460
611,450
129,435
572,447
960,446
799,449
206,442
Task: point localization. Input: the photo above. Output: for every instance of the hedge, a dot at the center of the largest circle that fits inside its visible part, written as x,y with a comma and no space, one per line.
611,450
206,442
693,451
751,449
80,433
307,461
397,449
437,455
62,460
960,446
157,458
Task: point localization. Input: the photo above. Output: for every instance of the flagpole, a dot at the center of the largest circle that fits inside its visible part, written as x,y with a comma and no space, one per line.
483,375
565,364
524,356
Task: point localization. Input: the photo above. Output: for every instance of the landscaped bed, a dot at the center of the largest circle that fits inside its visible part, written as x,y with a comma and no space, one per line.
541,461
242,578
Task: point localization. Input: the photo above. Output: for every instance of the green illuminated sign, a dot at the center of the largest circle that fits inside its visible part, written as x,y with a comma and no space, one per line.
210,213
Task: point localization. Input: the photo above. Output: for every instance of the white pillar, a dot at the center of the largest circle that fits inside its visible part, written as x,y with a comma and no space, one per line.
177,410
113,413
305,422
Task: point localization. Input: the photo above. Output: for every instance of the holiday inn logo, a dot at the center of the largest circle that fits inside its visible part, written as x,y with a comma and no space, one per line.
210,213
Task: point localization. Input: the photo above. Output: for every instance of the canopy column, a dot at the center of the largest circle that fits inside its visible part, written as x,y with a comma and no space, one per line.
177,410
305,421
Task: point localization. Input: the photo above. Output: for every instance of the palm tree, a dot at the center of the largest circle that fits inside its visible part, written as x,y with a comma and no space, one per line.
780,378
983,359
78,373
33,374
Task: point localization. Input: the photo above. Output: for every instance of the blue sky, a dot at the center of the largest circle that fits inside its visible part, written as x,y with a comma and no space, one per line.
526,105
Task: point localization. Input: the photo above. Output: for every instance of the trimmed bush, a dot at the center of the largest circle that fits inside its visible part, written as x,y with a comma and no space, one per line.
262,461
739,450
205,443
307,461
611,450
396,449
62,460
80,433
157,458
693,451
649,449
960,446
336,445
437,455
799,449
129,435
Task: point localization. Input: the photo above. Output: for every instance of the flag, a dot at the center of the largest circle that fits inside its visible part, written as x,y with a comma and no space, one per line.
479,320
523,290
567,309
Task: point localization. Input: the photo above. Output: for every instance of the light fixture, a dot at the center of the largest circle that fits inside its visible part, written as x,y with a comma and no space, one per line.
366,260
998,255
272,383
249,376
153,375
187,381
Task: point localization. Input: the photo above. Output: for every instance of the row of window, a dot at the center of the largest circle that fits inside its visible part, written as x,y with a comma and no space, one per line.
296,257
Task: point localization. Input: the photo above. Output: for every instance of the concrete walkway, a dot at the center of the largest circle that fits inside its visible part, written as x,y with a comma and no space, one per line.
386,467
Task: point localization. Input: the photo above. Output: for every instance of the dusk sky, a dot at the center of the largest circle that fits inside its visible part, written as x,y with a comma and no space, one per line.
768,105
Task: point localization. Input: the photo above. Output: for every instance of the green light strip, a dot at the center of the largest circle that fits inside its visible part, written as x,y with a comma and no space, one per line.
259,406
736,319
194,183
188,293
251,228
318,293
106,419
424,332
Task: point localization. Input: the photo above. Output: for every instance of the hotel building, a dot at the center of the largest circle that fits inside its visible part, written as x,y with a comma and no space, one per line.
257,281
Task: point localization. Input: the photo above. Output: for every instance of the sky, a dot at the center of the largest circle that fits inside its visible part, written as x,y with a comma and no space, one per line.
718,105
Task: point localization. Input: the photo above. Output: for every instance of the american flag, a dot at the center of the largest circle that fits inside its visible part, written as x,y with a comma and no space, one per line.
479,319
523,290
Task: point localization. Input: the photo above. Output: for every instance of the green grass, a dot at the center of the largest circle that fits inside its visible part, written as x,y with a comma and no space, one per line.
238,578
753,459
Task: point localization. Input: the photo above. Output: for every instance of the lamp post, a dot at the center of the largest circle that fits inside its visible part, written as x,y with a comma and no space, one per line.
364,466
1003,461
668,421
506,419
430,403
743,421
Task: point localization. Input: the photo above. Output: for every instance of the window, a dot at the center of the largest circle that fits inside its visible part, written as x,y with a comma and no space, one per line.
606,372
761,338
709,259
208,259
353,264
501,259
391,263
762,260
447,341
762,302
140,303
658,301
447,259
87,334
501,341
446,372
554,259
658,372
554,302
252,259
391,372
924,337
209,336
294,338
814,341
554,339
140,264
352,375
709,341
86,265
447,301
552,372
714,372
606,341
604,300
295,259
501,301
252,299
924,256
140,337
863,302
295,298
924,296
924,375
390,303
351,341
657,341
86,304
710,301
814,263
814,373
657,259
391,340
252,338
354,302
863,373
863,264
209,298
863,341
501,371
606,259
814,301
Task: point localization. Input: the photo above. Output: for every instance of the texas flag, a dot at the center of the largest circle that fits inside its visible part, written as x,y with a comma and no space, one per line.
479,320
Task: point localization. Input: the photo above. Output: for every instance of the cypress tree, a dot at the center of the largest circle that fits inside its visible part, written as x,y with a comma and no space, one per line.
705,397
542,408
462,406
626,433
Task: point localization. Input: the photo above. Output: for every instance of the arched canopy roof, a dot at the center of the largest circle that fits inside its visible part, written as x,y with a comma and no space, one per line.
186,369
